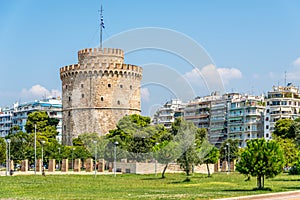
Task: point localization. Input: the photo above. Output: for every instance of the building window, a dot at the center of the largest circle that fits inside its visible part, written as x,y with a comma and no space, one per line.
82,95
268,110
267,126
109,85
81,85
69,98
267,118
267,135
67,86
102,99
121,86
69,113
130,87
118,102
65,128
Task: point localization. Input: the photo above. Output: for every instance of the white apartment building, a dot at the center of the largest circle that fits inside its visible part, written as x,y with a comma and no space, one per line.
168,112
283,102
17,115
246,118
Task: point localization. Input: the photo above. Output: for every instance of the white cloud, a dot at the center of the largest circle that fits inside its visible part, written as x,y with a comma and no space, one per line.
145,94
297,62
209,72
38,91
228,74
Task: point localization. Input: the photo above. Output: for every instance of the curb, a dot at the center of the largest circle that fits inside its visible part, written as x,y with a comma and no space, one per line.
277,195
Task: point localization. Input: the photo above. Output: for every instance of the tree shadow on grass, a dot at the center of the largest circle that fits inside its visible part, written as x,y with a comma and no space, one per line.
152,178
292,188
248,190
282,179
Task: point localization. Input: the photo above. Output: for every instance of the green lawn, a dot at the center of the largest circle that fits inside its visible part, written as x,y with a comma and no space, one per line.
129,186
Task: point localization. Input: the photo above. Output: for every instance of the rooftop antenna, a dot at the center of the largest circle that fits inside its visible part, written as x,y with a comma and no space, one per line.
101,26
285,78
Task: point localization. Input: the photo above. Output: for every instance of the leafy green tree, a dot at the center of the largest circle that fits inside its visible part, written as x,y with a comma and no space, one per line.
233,149
190,140
166,152
283,128
290,150
261,158
2,150
136,136
211,158
44,124
91,141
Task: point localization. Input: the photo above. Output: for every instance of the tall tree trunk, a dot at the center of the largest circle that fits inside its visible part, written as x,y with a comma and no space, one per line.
163,173
263,181
258,180
208,172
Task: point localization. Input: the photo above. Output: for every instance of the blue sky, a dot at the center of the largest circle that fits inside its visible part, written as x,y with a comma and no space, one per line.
251,43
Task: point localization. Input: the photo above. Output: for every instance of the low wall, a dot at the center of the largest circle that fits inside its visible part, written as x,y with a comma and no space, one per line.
149,168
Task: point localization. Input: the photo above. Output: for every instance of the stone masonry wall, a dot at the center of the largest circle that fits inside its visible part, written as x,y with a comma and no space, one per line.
98,92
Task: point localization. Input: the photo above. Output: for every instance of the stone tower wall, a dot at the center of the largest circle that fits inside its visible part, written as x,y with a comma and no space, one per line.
98,91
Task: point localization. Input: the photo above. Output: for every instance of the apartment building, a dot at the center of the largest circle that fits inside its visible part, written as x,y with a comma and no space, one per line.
246,118
283,102
168,112
17,115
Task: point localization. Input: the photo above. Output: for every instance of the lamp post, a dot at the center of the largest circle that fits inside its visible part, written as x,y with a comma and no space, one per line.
8,157
95,167
35,149
42,142
155,164
228,146
6,149
115,160
58,158
73,158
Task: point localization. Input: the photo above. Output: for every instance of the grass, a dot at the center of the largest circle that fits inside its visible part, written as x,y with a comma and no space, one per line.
128,186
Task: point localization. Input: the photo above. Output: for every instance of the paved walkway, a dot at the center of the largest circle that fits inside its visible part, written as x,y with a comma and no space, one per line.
292,195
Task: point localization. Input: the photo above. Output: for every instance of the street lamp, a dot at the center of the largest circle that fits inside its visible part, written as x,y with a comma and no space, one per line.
73,158
228,146
34,149
42,142
95,144
58,158
155,164
8,157
115,161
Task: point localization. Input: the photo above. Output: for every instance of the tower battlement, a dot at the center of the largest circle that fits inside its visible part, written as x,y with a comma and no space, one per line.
85,55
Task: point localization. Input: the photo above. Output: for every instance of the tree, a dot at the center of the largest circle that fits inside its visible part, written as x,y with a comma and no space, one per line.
166,152
136,136
261,158
283,128
44,124
2,150
290,150
190,140
233,149
211,158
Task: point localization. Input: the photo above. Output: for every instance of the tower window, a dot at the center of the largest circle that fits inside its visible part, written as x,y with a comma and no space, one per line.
82,95
118,102
69,113
69,98
130,87
121,86
109,85
81,85
102,99
67,86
